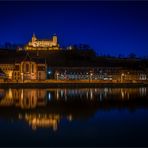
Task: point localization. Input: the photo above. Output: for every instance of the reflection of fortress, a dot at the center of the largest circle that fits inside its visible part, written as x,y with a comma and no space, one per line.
43,120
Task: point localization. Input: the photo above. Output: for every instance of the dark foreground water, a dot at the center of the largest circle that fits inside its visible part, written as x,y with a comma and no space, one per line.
74,117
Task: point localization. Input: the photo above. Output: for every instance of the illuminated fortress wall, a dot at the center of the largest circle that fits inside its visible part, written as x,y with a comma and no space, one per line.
44,44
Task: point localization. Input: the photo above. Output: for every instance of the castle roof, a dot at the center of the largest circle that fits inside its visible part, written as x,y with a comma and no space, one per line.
44,40
34,36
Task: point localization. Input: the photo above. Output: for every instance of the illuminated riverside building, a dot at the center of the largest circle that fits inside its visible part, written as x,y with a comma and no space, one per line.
7,68
24,69
30,69
112,74
44,44
35,69
2,76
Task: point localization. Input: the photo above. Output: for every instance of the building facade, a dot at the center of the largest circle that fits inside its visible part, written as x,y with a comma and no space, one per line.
102,74
7,68
2,76
44,44
30,70
25,69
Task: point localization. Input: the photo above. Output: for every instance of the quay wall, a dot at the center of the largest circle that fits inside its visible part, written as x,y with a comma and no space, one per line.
70,85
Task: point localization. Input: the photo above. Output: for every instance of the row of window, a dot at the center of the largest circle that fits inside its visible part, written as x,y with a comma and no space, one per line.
95,77
16,75
6,68
26,68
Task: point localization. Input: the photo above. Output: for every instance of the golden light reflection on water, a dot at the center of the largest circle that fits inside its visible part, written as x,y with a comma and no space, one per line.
43,120
31,98
46,108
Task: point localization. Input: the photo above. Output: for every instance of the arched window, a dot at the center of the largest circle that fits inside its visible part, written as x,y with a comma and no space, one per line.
32,68
27,67
39,75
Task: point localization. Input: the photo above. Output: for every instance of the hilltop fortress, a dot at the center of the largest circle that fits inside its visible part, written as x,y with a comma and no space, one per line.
44,44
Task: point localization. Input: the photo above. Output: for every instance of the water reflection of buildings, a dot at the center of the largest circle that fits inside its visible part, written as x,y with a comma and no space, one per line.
24,98
101,93
45,108
31,98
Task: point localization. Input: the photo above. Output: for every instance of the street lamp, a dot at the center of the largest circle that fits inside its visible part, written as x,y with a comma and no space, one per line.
122,75
90,76
57,75
22,77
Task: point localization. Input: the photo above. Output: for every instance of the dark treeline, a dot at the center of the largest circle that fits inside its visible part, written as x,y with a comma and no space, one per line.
75,57
9,45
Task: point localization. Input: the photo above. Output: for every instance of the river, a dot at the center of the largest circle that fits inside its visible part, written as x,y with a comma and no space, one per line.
74,117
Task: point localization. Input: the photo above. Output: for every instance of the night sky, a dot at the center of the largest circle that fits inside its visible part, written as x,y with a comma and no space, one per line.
108,27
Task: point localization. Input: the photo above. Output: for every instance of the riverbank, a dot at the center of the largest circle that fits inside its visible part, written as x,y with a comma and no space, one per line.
70,85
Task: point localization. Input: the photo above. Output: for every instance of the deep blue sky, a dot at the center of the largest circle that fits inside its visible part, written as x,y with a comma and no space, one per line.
109,27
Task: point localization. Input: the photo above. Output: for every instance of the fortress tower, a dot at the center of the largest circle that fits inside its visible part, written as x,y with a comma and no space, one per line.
34,38
55,39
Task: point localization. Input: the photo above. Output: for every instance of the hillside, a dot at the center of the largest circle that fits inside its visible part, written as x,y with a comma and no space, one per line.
74,58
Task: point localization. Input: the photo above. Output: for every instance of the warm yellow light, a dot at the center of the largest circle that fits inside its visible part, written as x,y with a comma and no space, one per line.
122,74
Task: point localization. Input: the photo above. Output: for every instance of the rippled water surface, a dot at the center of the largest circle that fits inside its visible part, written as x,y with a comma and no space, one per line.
74,117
